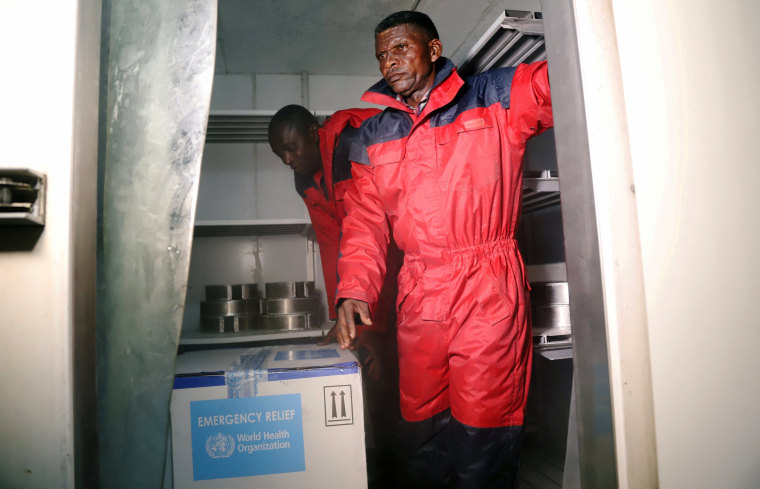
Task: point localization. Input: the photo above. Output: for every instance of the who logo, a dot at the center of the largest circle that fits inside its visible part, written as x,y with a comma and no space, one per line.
220,445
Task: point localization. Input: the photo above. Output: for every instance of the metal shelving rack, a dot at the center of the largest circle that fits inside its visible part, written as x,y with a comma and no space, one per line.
516,37
540,190
243,126
248,126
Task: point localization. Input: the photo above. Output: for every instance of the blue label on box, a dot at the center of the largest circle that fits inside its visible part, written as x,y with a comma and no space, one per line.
247,436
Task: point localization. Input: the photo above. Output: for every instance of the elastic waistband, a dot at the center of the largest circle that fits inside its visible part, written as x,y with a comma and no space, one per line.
468,253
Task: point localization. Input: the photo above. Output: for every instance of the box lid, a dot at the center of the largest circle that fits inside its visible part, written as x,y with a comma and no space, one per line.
241,367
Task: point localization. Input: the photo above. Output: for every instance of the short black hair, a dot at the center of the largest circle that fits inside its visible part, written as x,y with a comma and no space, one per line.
295,116
417,19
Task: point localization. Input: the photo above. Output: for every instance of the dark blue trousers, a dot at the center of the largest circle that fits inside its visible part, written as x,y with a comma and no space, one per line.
440,452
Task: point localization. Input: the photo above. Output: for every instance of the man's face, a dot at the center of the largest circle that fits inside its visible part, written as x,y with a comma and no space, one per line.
298,149
407,59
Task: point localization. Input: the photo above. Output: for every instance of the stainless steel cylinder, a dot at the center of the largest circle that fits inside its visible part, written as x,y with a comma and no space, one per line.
549,293
551,316
288,321
229,324
287,290
230,292
246,307
291,306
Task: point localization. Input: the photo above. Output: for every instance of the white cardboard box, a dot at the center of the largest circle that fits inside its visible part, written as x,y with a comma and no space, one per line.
276,417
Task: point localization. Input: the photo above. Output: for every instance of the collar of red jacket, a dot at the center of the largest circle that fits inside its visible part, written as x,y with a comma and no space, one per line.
445,87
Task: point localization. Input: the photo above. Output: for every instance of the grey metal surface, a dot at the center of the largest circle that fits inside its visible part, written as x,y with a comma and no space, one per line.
84,222
232,291
288,321
547,272
159,75
285,290
592,382
292,305
549,293
243,307
571,477
229,324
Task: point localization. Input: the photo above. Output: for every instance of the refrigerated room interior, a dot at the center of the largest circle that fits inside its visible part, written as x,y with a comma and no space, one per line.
251,226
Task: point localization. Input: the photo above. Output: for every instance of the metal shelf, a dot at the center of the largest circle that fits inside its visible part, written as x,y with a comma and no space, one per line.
540,190
259,335
252,227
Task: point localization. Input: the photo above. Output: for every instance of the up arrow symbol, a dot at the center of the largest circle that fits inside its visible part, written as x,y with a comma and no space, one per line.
342,404
334,409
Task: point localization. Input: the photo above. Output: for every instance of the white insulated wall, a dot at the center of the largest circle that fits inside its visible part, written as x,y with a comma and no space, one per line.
264,91
691,74
36,121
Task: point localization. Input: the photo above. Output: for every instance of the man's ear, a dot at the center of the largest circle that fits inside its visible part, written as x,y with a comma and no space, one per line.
314,132
435,46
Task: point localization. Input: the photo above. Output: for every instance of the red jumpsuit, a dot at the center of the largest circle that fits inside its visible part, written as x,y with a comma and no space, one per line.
323,195
449,182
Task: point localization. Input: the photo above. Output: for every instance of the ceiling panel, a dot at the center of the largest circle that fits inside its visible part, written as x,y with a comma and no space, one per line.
335,37
292,36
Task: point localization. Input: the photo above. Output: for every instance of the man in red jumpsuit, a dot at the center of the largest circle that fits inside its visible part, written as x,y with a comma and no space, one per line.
319,160
319,157
441,169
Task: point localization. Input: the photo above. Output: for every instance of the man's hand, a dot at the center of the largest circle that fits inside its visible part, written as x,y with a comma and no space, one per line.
370,346
346,326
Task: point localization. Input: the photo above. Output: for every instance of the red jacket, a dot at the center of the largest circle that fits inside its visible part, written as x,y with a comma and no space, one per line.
319,192
448,184
449,178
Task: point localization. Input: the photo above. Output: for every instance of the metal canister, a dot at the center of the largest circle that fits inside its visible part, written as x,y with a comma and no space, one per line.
288,290
229,324
549,293
232,292
288,321
292,305
245,307
550,307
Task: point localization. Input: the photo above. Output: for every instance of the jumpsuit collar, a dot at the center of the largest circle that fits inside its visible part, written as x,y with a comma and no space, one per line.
445,86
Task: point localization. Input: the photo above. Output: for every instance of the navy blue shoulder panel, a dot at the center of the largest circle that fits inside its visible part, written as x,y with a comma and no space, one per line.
302,184
481,90
341,161
305,183
388,125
